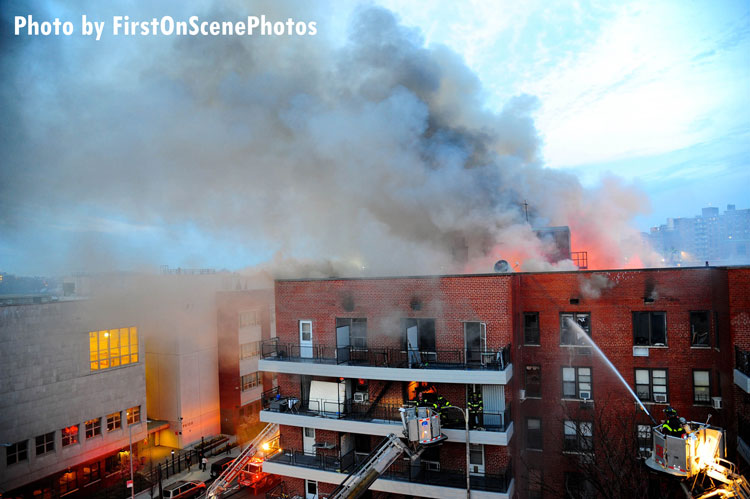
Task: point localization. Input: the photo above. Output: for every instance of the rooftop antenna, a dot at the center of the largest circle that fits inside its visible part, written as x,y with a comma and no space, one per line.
526,209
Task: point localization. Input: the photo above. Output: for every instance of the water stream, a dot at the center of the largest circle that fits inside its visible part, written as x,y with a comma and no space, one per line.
581,335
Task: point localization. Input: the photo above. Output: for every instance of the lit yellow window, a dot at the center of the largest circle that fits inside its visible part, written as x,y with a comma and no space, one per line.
113,348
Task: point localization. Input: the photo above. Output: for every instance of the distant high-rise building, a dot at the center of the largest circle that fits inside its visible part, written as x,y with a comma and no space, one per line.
709,237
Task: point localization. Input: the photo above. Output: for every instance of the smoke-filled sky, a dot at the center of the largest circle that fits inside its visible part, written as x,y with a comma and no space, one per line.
394,137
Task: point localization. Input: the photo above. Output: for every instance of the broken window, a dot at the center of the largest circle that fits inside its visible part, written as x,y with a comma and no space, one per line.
355,330
700,328
650,328
419,340
533,381
531,328
569,335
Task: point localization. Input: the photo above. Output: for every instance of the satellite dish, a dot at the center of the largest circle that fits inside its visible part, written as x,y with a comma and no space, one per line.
502,266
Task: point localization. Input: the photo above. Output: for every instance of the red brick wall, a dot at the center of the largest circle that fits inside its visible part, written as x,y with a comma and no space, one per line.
384,302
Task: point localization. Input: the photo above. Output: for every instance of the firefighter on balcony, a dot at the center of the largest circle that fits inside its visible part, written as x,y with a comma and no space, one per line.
475,409
440,404
672,426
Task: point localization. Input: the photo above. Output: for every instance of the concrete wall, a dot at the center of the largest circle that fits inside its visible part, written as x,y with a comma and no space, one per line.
46,384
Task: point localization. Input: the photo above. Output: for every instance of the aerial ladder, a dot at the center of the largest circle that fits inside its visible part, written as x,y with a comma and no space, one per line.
698,457
225,480
421,427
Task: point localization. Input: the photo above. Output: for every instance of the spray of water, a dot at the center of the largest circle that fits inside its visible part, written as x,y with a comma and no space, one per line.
581,335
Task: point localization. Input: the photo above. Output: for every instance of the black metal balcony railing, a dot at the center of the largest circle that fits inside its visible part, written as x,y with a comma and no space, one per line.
384,413
489,359
399,471
742,360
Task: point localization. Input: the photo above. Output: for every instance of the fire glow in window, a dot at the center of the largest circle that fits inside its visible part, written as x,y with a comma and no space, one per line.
113,348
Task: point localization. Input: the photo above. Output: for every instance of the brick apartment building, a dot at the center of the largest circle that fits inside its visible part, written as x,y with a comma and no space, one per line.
678,336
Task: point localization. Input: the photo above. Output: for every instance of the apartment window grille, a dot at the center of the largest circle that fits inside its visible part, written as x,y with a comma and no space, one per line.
70,435
651,385
114,421
650,329
45,443
645,439
576,382
249,350
93,427
113,348
702,387
533,381
700,329
250,381
568,334
531,328
578,436
133,415
534,434
17,452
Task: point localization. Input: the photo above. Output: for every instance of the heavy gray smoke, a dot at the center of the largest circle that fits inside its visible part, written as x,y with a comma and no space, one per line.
374,155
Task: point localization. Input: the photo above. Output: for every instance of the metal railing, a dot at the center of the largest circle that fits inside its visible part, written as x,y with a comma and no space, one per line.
742,362
493,421
401,471
463,359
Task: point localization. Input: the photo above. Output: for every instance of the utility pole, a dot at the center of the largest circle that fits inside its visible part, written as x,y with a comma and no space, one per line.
130,441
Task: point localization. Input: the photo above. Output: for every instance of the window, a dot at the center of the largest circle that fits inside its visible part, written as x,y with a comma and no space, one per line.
476,458
250,381
700,327
112,463
569,334
17,452
311,488
114,421
531,328
650,328
68,482
250,318
702,387
651,385
419,334
534,434
357,331
534,381
133,415
112,348
577,487
70,435
576,382
249,350
645,439
578,436
45,443
535,484
91,473
93,427
475,339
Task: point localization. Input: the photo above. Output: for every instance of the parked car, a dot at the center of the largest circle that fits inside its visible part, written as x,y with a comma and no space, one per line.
219,466
183,489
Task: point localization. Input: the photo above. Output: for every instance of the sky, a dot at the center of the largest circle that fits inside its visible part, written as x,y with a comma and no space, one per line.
397,130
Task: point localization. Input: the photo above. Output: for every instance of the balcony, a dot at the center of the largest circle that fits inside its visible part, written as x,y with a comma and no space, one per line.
496,428
491,367
742,369
399,478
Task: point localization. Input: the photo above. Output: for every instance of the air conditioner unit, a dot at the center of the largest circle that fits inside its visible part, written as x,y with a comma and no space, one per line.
522,394
360,396
584,395
716,402
660,398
